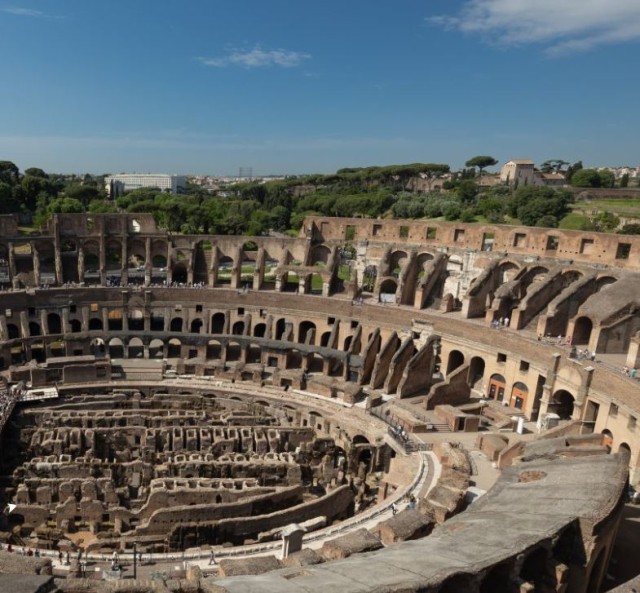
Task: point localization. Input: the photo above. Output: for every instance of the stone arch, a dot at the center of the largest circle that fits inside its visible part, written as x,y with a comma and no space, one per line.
458,583
54,324
360,439
156,348
95,324
135,348
196,325
159,260
75,325
424,258
114,320
225,269
319,255
624,447
519,395
13,331
234,351
179,273
476,370
113,254
582,329
176,324
563,404
455,360
218,323
388,290
174,348
259,330
116,348
238,328
34,329
396,260
254,353
136,320
497,385
347,343
280,328
507,271
214,350
303,332
324,339
607,439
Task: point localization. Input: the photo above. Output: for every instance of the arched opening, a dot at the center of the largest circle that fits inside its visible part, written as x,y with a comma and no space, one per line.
455,360
233,352
497,386
476,371
176,324
174,348
607,439
582,331
136,348
225,269
75,325
179,274
253,353
320,255
159,261
218,322
259,330
563,404
54,324
360,439
34,329
315,363
294,359
156,348
116,348
115,320
238,328
196,326
38,352
315,283
324,339
12,331
365,457
95,324
397,262
519,393
97,347
624,447
535,568
388,290
136,320
347,343
214,350
307,332
280,327
369,278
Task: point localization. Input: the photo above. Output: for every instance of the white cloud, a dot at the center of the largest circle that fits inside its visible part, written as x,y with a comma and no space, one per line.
562,26
23,11
257,58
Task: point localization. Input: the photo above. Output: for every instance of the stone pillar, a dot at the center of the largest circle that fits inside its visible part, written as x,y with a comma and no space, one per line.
12,266
148,263
583,392
258,275
84,312
44,323
124,270
65,321
215,262
191,264
80,264
103,259
633,355
4,332
169,262
36,264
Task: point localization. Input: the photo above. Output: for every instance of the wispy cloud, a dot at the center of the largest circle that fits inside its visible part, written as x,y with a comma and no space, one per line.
257,58
562,27
23,11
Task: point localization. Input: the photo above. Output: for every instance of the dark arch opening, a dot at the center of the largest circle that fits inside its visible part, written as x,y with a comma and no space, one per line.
176,324
456,360
259,330
196,326
582,331
95,324
217,323
179,274
53,321
563,401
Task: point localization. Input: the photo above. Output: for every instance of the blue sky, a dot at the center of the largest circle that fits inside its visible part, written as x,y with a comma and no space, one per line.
295,86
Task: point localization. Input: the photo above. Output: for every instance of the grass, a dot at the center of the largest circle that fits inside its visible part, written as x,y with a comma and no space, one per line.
625,207
573,221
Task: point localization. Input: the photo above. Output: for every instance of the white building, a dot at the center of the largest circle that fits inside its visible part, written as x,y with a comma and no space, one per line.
118,184
517,172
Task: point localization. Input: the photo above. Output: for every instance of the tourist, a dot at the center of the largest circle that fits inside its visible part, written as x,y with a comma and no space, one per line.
394,508
212,558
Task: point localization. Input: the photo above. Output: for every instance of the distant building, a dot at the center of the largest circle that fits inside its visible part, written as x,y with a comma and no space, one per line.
549,179
518,172
116,185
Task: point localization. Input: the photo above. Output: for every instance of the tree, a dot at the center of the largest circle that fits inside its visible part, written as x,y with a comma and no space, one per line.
482,162
630,229
554,165
571,169
586,178
624,180
9,173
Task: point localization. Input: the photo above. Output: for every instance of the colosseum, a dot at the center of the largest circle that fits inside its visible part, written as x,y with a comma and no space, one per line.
373,405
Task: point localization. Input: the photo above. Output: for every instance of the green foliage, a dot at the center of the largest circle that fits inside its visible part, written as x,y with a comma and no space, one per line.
481,161
592,178
630,229
624,180
539,206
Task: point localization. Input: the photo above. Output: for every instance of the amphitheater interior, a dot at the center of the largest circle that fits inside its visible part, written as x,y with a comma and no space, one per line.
297,414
